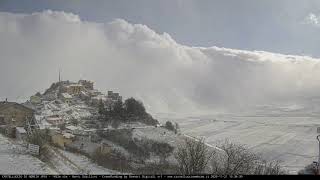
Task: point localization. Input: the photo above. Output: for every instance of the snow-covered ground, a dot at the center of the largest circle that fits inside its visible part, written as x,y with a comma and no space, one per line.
66,111
13,160
291,140
82,165
157,134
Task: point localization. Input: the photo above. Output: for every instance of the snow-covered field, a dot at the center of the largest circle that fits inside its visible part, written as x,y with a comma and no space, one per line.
13,160
291,140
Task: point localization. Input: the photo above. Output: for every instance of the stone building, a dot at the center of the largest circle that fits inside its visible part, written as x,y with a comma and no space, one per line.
14,114
84,96
67,98
114,96
74,89
55,120
62,139
86,84
35,99
95,101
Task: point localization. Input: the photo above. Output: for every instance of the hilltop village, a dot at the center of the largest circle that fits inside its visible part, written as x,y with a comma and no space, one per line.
75,117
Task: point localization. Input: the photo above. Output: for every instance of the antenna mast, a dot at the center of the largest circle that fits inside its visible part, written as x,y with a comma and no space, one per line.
59,75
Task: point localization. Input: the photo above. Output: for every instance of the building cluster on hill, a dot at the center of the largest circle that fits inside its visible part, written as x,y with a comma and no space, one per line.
68,115
56,109
83,89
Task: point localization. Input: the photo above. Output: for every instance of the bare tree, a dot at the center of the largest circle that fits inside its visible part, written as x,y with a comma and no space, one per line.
234,159
268,168
193,156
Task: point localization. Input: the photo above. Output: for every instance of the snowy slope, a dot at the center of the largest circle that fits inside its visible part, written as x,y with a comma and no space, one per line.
13,160
291,140
86,165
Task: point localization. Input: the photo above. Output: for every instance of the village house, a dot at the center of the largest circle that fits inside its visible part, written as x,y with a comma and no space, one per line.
88,85
84,96
14,114
105,148
66,97
114,96
95,101
74,130
62,139
73,89
21,133
55,120
94,93
35,99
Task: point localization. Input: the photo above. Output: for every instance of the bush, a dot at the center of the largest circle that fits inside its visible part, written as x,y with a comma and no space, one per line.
169,126
62,126
134,107
161,149
148,120
40,138
236,159
115,123
111,160
74,122
123,137
130,110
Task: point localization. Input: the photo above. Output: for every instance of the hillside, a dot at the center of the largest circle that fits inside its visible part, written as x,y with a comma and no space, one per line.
116,134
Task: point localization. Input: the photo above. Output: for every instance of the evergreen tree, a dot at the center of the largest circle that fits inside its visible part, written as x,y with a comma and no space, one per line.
134,107
101,108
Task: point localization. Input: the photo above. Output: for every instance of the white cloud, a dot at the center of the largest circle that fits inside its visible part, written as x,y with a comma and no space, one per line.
312,19
135,60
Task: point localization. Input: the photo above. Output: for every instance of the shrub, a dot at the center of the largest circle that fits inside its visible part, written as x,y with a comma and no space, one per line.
130,110
160,149
112,160
40,138
169,126
115,123
134,107
74,122
123,137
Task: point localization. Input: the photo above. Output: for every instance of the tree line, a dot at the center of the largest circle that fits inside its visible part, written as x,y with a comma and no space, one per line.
128,111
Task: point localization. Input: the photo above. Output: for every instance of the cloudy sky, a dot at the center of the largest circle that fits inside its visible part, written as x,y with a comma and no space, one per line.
283,26
174,55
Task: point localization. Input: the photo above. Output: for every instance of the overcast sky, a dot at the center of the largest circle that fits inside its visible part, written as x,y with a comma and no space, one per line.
269,25
173,55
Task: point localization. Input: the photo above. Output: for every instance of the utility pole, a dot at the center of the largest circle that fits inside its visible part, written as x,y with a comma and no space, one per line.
318,138
318,169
